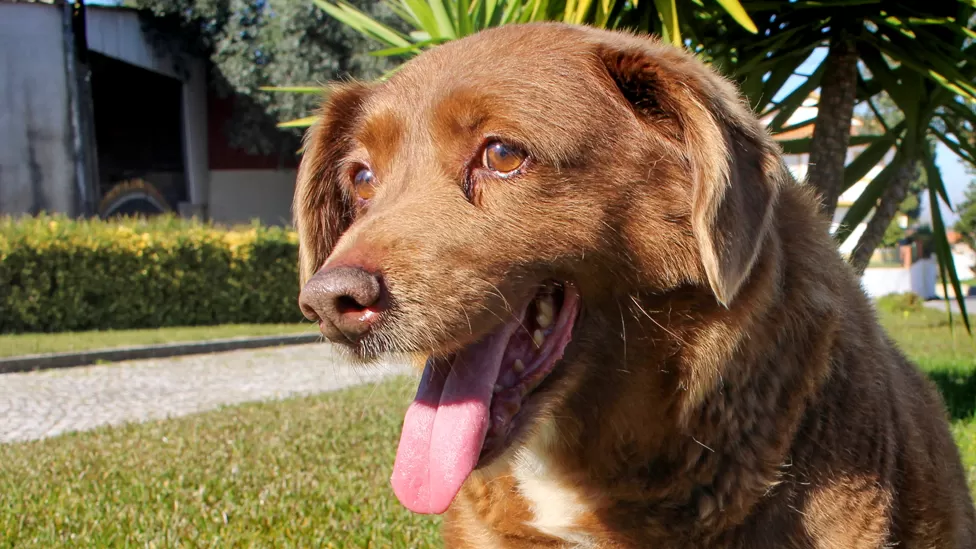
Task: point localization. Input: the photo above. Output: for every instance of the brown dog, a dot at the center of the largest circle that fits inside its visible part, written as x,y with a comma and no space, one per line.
640,333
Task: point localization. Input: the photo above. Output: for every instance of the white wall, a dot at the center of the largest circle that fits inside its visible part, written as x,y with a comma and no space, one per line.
37,170
924,277
880,281
919,279
964,265
238,196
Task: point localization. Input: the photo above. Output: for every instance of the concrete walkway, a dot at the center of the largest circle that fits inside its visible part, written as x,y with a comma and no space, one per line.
941,305
46,403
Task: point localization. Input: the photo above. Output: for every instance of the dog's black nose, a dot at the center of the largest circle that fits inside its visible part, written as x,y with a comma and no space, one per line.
345,301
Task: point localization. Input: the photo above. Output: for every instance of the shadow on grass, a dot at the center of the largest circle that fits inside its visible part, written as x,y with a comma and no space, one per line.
958,390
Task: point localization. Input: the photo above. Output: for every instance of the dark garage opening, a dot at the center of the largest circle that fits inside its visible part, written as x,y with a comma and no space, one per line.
138,136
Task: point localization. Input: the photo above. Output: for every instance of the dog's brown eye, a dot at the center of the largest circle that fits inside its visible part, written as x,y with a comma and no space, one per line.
363,181
502,158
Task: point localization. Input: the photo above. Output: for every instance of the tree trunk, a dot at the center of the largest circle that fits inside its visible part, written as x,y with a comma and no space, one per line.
885,212
832,128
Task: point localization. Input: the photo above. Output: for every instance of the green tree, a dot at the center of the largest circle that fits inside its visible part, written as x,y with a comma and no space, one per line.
919,54
966,224
911,208
256,43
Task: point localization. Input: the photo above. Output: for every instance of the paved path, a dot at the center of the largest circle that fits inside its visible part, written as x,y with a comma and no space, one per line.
46,403
940,305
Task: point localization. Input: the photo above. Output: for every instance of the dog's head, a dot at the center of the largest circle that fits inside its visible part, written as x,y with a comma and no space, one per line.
470,207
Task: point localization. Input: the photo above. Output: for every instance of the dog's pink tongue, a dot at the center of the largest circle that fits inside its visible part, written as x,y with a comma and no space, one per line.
445,426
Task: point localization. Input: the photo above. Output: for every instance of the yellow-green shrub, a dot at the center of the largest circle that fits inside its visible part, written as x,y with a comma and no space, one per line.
61,274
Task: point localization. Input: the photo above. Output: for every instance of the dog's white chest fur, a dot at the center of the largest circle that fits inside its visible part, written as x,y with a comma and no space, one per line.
555,506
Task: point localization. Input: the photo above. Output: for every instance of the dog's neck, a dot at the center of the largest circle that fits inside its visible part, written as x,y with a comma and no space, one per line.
678,419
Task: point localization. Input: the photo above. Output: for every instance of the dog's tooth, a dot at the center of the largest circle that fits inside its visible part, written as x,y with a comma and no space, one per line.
543,320
546,308
538,338
518,367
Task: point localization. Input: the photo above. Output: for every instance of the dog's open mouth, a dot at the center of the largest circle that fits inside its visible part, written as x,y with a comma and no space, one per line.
466,411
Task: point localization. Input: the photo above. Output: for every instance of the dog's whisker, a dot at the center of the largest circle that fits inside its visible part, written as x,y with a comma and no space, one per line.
658,324
623,333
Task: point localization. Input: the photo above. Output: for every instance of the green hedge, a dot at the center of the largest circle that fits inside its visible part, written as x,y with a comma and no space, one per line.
61,274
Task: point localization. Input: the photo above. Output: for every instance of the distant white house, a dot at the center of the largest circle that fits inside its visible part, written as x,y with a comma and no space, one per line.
904,270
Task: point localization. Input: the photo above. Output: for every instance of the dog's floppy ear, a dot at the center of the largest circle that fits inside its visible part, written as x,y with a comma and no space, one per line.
736,170
732,209
320,208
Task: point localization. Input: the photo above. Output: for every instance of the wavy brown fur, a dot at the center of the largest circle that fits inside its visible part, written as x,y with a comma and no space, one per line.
728,384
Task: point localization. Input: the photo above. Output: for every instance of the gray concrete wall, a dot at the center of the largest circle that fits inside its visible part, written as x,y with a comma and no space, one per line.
238,196
118,33
36,153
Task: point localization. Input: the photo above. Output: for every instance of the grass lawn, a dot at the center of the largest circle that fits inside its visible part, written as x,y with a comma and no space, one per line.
29,344
949,359
308,472
947,356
